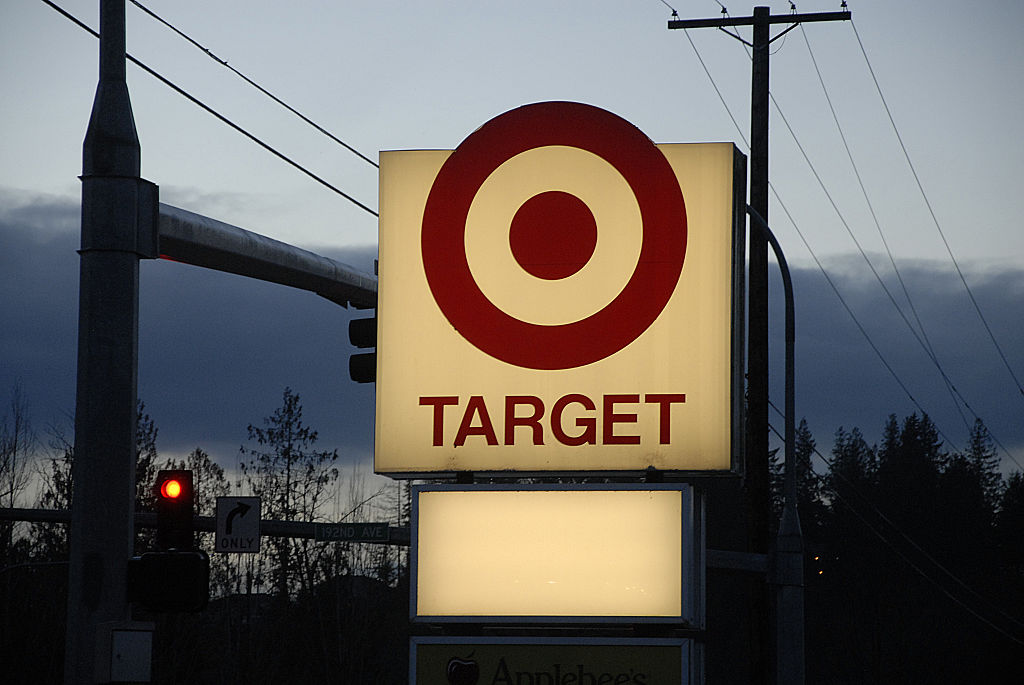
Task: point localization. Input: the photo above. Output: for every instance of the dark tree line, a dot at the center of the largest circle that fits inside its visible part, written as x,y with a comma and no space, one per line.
914,566
299,611
915,558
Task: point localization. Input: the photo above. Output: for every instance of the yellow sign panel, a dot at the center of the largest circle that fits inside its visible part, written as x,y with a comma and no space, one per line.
557,295
493,552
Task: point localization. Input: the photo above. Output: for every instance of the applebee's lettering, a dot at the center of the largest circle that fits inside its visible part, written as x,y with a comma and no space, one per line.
573,419
577,674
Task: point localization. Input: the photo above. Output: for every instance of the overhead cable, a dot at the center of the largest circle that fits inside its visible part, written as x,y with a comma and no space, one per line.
810,250
925,345
935,219
955,394
864,255
926,342
224,63
220,116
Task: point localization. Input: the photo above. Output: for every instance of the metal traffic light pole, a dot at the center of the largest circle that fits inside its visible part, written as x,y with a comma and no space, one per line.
122,222
119,212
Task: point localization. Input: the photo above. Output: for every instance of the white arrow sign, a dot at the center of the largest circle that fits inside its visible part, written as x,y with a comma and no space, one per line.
238,524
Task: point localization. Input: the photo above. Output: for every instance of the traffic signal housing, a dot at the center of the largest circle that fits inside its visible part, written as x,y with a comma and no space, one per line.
174,509
172,581
362,333
177,577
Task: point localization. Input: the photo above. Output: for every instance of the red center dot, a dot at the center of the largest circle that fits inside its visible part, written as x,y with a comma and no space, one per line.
553,235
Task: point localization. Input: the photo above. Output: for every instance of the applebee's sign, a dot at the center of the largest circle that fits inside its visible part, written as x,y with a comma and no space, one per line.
557,294
560,661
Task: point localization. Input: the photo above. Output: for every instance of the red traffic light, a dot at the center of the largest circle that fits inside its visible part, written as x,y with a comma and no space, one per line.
171,488
174,509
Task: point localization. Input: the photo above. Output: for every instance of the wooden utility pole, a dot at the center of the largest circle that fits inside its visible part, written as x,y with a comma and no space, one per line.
756,475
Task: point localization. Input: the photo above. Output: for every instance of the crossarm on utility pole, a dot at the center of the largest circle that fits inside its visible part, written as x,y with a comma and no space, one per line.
748,21
201,241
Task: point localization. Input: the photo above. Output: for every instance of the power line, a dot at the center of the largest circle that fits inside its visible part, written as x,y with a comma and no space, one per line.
849,311
955,394
224,63
810,250
874,216
863,331
674,13
721,98
863,254
219,116
924,343
935,219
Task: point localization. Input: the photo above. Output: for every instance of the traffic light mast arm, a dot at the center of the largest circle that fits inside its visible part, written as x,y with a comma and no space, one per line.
201,241
399,535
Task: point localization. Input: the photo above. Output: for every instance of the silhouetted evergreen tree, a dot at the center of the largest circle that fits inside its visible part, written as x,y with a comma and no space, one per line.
1010,527
854,463
842,577
909,463
808,482
965,520
984,460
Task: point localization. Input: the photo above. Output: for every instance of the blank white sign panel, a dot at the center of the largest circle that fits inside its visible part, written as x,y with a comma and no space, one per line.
551,553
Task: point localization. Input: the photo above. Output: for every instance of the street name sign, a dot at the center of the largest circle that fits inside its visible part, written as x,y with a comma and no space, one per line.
351,532
560,294
238,525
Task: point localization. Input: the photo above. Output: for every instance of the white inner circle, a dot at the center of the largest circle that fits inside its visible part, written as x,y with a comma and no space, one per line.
522,295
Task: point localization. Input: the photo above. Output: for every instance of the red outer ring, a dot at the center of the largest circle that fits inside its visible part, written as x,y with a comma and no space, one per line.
633,310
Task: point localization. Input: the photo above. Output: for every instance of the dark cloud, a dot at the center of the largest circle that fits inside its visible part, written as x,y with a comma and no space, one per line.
39,304
843,381
216,351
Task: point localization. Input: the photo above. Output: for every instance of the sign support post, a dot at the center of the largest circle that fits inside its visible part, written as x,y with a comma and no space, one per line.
787,569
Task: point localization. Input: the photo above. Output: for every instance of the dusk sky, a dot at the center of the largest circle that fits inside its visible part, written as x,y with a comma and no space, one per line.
216,351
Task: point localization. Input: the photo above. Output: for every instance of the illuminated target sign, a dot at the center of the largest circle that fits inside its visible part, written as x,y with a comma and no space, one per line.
558,294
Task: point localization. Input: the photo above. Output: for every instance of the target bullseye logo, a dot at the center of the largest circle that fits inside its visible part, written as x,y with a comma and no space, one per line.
553,235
